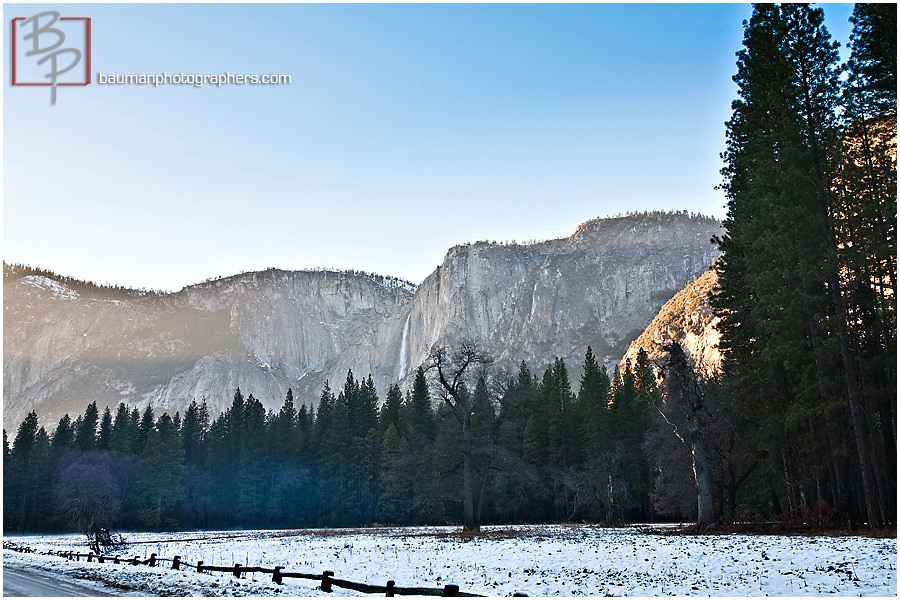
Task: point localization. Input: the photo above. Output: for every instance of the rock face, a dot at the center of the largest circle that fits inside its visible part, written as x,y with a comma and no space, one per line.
687,319
262,332
267,331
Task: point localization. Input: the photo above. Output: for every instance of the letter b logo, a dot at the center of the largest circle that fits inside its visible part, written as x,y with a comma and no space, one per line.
49,50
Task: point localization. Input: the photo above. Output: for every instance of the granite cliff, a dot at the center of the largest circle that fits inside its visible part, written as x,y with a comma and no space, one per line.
270,330
689,320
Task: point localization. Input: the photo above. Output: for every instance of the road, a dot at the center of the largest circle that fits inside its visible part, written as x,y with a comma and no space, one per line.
29,583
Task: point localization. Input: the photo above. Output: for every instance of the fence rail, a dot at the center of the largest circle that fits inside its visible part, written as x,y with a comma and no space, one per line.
326,579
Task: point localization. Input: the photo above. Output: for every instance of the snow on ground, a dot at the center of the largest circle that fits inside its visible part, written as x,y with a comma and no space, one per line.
537,561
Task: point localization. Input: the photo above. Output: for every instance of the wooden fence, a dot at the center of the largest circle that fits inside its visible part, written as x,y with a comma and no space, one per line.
327,579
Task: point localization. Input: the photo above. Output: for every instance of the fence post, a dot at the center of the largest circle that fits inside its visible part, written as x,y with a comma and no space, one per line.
199,566
136,560
101,558
326,581
451,590
276,575
90,557
176,563
389,592
152,561
237,570
116,560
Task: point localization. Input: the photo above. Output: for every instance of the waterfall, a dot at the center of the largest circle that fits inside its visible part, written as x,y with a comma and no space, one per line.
403,361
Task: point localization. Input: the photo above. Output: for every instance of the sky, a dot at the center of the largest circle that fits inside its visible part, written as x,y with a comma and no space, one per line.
406,129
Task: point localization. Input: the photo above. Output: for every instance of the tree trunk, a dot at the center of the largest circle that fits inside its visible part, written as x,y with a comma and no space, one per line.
470,519
706,512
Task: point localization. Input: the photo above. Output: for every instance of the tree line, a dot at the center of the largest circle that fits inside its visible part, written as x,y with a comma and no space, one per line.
535,451
14,271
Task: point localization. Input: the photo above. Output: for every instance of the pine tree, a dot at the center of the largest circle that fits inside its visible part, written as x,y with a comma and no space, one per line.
147,422
161,475
395,500
104,436
419,418
24,440
305,424
41,463
64,434
368,407
865,215
392,409
283,431
136,438
86,431
120,436
18,503
194,429
632,395
252,465
593,396
419,425
532,444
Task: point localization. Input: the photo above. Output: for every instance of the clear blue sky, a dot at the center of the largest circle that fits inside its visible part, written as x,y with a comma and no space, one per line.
407,129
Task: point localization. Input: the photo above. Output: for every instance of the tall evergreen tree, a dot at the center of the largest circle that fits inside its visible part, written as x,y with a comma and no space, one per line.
395,499
64,434
104,435
283,430
161,475
194,429
24,440
784,318
147,422
419,419
391,410
865,214
86,432
593,396
120,435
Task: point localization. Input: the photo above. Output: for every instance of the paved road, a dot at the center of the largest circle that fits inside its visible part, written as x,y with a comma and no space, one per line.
28,583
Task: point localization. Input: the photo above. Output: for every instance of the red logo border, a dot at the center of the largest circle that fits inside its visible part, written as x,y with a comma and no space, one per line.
87,52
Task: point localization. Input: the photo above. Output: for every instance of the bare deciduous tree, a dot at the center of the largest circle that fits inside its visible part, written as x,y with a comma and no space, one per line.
453,368
88,497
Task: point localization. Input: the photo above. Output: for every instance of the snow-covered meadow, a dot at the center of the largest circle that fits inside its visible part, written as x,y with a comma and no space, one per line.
536,560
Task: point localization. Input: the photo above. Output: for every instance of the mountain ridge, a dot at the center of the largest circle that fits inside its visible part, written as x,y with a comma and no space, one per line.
265,331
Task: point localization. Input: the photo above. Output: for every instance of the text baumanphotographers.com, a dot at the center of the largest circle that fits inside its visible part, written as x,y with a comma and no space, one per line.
196,80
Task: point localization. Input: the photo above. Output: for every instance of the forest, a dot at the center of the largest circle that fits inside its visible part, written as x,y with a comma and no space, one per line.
798,426
808,271
539,453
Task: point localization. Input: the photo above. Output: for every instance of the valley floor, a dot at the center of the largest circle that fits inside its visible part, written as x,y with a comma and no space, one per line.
558,560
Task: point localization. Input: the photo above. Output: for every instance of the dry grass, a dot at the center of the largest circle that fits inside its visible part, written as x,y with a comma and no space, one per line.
772,528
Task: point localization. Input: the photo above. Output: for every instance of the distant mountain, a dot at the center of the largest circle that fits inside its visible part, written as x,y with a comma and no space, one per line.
67,343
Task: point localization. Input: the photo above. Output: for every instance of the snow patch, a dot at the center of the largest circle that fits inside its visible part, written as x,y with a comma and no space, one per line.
45,283
392,283
536,560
